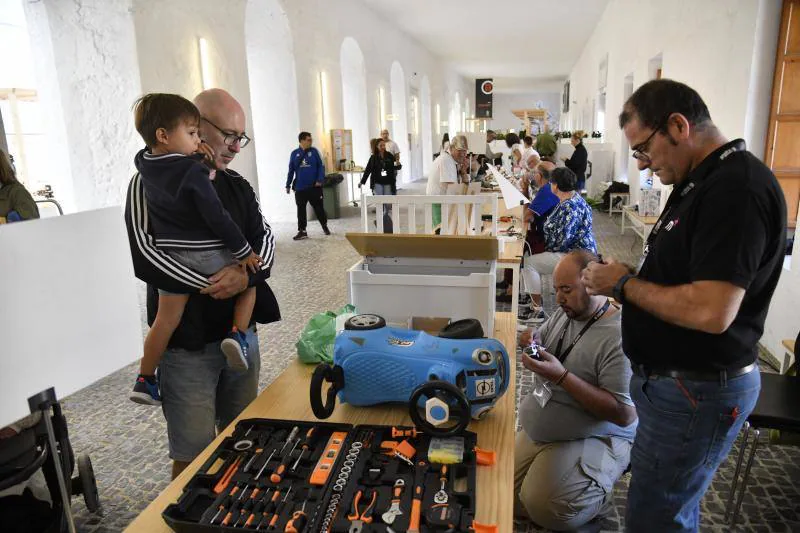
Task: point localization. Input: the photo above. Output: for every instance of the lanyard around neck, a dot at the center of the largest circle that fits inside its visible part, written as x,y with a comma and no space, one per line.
595,317
685,189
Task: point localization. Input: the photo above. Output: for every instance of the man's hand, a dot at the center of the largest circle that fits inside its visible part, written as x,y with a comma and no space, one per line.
600,279
549,367
317,184
207,152
227,283
288,190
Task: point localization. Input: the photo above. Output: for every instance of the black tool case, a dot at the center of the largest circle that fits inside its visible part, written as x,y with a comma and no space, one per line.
227,494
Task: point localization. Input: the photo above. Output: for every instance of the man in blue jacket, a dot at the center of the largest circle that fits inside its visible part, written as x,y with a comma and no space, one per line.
306,175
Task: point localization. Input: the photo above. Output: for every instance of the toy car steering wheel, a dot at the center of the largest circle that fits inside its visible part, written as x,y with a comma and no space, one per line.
444,412
334,376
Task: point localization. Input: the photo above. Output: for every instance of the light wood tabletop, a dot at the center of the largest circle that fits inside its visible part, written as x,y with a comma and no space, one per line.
288,398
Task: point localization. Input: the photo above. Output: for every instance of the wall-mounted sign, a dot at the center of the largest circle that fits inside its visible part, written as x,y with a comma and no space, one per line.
483,98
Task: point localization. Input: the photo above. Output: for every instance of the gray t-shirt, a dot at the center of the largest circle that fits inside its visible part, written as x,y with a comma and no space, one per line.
597,359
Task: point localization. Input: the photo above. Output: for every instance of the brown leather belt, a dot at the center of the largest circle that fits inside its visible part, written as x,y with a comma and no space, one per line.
645,371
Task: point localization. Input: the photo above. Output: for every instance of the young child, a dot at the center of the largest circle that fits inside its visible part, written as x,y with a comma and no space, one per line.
189,223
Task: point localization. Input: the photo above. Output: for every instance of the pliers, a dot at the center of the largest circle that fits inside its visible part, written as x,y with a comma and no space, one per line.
358,519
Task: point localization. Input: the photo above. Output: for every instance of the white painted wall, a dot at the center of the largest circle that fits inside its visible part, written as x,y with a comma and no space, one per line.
354,99
782,320
102,55
273,98
318,23
503,104
169,60
713,50
92,53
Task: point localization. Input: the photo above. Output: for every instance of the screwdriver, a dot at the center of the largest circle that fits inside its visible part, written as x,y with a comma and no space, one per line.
304,448
257,508
290,438
277,476
279,509
298,521
268,508
234,506
265,464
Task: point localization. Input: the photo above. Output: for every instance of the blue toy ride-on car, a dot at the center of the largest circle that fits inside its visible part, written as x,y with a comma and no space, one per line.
446,380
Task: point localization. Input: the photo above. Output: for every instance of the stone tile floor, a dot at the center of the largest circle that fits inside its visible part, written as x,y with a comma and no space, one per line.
128,446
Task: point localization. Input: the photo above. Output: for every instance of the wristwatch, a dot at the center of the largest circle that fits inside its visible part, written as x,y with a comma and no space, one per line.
618,294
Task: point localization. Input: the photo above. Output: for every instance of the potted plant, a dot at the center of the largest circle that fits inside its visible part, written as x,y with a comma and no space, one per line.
546,145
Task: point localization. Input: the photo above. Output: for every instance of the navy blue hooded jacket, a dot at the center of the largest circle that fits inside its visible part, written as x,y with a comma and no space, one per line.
184,207
308,168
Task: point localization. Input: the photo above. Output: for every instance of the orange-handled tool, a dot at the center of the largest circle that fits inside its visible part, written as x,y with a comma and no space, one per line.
398,432
277,476
279,509
304,448
226,478
416,505
477,527
298,521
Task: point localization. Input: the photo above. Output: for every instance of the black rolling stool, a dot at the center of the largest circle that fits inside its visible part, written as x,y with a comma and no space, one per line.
778,407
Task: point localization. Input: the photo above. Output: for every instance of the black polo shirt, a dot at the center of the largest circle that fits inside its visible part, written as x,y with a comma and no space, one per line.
725,222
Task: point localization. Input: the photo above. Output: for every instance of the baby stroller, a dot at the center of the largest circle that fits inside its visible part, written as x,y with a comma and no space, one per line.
44,445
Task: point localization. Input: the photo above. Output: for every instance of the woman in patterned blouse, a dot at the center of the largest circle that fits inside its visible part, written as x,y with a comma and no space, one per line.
567,228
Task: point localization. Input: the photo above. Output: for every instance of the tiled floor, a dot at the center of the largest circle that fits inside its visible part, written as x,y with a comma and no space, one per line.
127,442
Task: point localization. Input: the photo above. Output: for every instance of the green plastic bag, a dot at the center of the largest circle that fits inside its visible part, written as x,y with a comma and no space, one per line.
316,342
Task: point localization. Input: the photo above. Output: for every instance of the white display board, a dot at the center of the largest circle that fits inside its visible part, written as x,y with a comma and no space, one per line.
70,311
476,141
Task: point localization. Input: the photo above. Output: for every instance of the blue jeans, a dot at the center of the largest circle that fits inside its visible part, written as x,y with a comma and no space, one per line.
380,189
686,429
200,394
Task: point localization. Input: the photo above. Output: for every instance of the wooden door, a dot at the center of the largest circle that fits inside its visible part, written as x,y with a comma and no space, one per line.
783,139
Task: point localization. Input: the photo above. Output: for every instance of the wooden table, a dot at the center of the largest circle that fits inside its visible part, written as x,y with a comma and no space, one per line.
642,226
287,398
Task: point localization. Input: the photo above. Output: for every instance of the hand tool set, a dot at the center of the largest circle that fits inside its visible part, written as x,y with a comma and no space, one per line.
296,476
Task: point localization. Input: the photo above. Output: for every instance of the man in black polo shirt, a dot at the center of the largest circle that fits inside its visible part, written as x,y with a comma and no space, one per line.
693,314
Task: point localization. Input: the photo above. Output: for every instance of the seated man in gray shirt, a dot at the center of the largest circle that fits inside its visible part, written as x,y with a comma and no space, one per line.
578,423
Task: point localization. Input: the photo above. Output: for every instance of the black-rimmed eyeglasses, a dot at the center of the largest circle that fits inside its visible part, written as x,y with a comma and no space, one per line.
640,152
230,138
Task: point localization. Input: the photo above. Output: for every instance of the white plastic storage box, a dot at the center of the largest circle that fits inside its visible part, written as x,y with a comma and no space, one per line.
406,276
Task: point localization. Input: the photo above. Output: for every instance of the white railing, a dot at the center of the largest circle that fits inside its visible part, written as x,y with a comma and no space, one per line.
461,214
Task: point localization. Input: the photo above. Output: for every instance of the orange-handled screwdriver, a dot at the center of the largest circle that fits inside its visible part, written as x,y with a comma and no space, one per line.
277,476
279,509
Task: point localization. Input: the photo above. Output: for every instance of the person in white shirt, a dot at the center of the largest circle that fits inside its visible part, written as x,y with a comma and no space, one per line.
391,146
530,157
446,170
490,155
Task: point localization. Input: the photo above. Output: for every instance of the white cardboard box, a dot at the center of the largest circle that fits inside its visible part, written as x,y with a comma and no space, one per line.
403,276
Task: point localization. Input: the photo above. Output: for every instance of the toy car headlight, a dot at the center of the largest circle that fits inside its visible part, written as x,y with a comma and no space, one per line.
483,357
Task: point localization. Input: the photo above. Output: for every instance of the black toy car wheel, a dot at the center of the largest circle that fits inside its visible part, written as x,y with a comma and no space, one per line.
325,373
444,393
468,328
88,483
364,322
